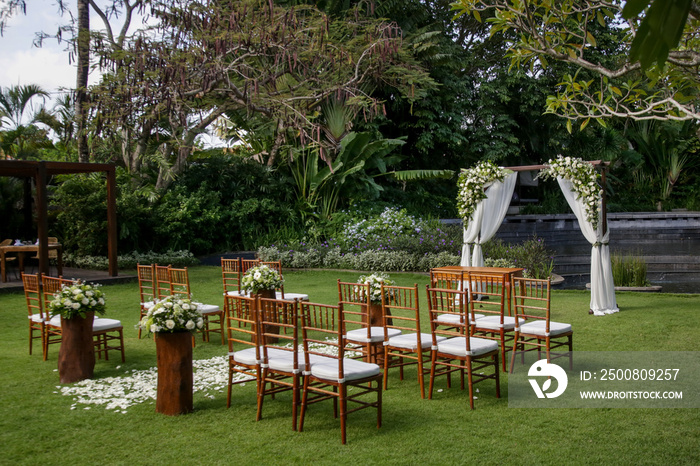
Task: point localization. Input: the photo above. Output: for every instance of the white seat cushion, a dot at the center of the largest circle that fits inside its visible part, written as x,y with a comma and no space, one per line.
377,334
281,360
494,322
238,293
245,356
454,319
292,296
537,327
327,368
410,342
458,346
55,321
101,324
205,309
36,318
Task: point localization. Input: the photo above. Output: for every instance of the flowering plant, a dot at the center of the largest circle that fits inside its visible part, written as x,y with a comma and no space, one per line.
375,281
77,300
261,277
584,179
471,185
172,314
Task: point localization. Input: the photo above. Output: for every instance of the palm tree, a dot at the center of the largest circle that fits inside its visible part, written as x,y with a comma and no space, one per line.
15,100
20,136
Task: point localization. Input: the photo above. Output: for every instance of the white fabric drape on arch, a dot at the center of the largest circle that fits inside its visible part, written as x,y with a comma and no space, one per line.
487,217
602,286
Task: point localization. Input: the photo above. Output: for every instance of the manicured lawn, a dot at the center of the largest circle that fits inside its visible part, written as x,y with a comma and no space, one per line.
37,425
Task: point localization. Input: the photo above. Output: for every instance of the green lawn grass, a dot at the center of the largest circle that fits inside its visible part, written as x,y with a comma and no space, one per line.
37,424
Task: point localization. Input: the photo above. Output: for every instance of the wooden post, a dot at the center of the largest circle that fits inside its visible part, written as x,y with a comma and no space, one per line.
42,218
112,221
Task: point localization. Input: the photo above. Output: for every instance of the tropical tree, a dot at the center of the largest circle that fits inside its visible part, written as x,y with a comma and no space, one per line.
20,134
540,30
253,58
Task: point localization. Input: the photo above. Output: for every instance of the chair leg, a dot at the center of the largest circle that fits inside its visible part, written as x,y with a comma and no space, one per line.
516,337
433,358
498,377
343,412
420,375
304,400
121,344
230,380
379,404
386,367
261,395
470,382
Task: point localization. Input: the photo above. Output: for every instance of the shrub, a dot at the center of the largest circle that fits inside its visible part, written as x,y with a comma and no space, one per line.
532,255
129,261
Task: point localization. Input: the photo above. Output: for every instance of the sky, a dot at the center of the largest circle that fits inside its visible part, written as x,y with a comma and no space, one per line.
22,63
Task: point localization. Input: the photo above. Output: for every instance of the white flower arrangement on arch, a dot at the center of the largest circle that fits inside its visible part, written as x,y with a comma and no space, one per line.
261,277
77,300
584,179
472,184
172,314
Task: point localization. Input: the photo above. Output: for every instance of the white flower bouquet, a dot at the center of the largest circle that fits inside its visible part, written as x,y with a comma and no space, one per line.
261,277
584,178
472,184
172,314
375,281
77,300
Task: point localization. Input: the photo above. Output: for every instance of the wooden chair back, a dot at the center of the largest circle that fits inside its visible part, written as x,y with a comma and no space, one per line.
242,323
248,263
162,273
355,300
279,327
320,338
448,302
52,285
320,316
532,299
32,294
401,309
147,282
231,274
180,282
449,280
491,293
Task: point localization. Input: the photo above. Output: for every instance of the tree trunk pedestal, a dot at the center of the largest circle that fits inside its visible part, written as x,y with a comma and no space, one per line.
174,352
76,357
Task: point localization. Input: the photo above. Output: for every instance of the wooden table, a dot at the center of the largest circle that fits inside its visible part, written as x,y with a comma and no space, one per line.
27,248
507,273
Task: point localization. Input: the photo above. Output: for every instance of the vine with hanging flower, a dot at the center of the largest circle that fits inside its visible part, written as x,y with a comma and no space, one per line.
472,184
584,179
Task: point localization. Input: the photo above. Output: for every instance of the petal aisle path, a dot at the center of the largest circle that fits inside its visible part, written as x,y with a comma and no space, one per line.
210,376
119,393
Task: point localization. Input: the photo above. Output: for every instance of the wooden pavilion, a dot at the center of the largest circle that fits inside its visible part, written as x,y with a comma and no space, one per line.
40,171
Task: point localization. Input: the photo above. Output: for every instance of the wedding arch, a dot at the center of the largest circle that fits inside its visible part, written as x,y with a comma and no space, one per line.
485,194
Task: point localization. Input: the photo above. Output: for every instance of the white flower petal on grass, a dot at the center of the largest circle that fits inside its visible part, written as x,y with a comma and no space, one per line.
210,376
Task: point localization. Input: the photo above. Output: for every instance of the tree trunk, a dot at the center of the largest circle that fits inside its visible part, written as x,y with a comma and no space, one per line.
76,357
82,79
174,353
